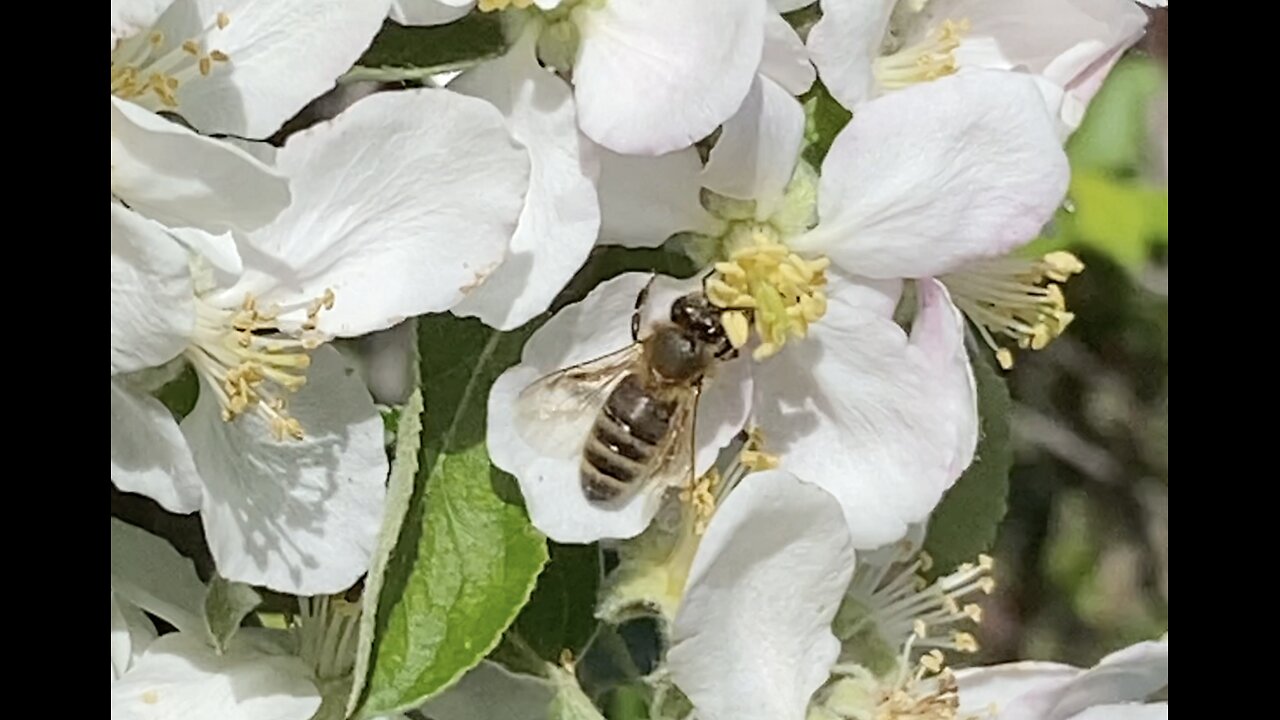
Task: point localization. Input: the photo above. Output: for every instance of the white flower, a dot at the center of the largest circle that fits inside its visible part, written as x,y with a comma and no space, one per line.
401,205
240,67
649,76
758,633
1114,689
752,638
919,183
561,216
181,674
863,49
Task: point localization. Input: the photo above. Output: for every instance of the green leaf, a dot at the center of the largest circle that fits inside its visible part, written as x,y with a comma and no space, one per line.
181,393
415,53
466,557
1113,135
965,522
824,119
225,606
404,469
560,614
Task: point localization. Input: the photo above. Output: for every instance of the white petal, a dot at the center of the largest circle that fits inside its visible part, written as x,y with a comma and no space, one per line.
130,17
181,677
1000,685
844,45
429,12
219,251
298,516
131,633
149,455
785,59
1126,711
1049,691
561,216
753,635
149,573
170,174
784,6
152,301
645,200
552,489
884,422
924,179
1059,39
283,53
1129,674
402,204
758,148
489,690
654,76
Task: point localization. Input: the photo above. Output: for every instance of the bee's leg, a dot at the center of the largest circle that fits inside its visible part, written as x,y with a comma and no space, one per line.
727,354
640,301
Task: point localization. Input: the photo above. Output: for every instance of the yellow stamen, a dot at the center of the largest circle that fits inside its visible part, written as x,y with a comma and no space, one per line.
1017,298
143,71
929,59
781,292
249,362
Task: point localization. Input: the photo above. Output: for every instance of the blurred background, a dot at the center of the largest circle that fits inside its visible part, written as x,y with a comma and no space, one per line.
1083,554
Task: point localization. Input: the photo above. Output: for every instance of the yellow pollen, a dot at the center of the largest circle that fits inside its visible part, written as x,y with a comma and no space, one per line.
223,20
965,642
702,499
931,58
496,5
765,285
147,73
1017,298
926,561
249,362
753,455
920,629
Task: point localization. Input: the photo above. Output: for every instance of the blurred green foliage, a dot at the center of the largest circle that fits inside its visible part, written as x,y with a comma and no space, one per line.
1083,555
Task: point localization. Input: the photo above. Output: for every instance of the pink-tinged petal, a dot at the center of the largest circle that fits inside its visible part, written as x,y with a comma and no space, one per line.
752,639
927,178
883,421
652,76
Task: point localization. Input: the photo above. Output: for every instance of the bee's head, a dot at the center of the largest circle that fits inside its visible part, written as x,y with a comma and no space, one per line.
698,317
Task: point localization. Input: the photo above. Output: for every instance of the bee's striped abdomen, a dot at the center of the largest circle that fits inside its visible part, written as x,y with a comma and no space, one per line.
624,440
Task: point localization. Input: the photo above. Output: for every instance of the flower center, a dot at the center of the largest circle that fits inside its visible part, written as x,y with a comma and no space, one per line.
496,5
931,58
1017,298
927,692
148,71
763,283
250,363
889,604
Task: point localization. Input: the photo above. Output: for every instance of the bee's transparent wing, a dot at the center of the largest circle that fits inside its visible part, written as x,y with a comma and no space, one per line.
555,413
679,447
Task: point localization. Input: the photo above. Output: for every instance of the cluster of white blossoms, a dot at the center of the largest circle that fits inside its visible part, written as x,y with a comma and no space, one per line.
789,584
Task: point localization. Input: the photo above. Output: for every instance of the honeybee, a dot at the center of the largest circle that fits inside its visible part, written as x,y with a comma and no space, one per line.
630,415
